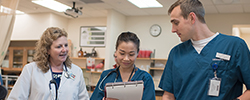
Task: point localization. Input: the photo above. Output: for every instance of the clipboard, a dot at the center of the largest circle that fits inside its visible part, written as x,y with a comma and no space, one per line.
132,90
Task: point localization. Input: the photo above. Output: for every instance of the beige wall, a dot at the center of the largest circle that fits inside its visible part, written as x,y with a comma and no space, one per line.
115,25
58,21
224,22
246,37
163,43
31,26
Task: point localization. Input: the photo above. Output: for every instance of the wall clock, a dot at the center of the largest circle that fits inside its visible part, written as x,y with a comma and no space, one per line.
155,30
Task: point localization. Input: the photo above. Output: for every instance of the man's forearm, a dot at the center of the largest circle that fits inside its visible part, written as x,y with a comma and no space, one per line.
168,96
245,95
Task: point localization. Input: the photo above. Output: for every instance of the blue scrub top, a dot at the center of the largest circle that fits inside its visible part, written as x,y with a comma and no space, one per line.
187,73
148,92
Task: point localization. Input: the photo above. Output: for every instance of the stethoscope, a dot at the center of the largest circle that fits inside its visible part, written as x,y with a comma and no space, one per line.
52,81
117,74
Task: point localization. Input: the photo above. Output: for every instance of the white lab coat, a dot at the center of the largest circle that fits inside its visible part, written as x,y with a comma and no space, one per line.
33,84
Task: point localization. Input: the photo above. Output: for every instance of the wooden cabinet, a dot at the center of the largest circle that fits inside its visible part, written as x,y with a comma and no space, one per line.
17,57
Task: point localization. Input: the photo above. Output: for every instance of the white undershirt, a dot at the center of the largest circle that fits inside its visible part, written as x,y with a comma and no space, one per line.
200,44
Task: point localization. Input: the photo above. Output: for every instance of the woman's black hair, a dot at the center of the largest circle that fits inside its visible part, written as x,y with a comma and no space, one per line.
127,37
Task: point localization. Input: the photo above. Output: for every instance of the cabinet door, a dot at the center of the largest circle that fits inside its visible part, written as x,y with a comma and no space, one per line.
29,54
18,58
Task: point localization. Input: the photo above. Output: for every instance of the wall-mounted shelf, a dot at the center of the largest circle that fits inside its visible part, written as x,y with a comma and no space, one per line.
158,59
82,67
84,58
96,72
12,69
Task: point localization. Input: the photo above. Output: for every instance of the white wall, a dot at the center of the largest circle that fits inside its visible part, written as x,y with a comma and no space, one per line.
163,43
58,21
246,37
115,25
224,22
31,26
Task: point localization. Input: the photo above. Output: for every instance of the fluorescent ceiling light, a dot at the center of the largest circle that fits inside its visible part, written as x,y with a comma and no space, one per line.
52,4
8,10
19,12
146,3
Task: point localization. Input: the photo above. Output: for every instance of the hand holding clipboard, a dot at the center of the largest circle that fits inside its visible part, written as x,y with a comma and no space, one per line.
132,90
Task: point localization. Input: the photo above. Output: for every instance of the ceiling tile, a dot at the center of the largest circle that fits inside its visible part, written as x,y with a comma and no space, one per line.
210,9
206,2
156,11
120,4
244,1
166,3
226,2
96,13
100,6
229,8
132,12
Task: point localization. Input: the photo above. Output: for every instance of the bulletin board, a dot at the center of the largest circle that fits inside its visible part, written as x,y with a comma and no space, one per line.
92,36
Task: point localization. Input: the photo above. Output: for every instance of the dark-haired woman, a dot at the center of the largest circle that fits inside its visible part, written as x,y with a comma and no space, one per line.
127,49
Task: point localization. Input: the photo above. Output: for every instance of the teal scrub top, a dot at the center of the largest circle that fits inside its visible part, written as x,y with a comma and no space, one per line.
148,92
187,73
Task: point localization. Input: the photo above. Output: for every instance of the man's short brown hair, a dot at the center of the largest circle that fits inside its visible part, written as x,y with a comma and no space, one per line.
188,6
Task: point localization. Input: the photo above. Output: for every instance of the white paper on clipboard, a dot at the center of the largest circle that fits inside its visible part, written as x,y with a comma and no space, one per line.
125,90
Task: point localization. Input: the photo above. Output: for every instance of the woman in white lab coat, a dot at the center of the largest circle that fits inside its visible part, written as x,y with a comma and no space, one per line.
52,75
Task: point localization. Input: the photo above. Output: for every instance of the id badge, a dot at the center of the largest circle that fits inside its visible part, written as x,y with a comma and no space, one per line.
214,87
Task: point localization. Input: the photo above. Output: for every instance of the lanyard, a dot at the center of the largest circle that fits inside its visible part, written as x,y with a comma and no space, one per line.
215,66
129,79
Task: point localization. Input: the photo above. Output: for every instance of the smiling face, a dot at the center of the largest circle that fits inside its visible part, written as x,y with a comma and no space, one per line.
58,50
126,54
182,27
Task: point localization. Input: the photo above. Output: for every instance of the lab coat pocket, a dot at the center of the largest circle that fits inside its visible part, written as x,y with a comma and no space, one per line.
71,90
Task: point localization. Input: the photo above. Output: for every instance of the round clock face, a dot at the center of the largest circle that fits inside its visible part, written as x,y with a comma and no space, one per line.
155,30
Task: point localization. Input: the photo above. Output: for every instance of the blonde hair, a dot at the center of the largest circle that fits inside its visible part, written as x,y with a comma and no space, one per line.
41,56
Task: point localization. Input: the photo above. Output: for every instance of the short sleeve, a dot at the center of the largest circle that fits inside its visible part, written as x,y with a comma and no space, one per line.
166,82
98,94
243,63
149,88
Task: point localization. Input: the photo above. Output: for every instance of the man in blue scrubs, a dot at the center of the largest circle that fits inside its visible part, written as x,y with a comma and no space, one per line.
207,65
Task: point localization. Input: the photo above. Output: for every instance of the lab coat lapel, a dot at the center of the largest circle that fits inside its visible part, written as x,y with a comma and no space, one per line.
48,75
63,78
